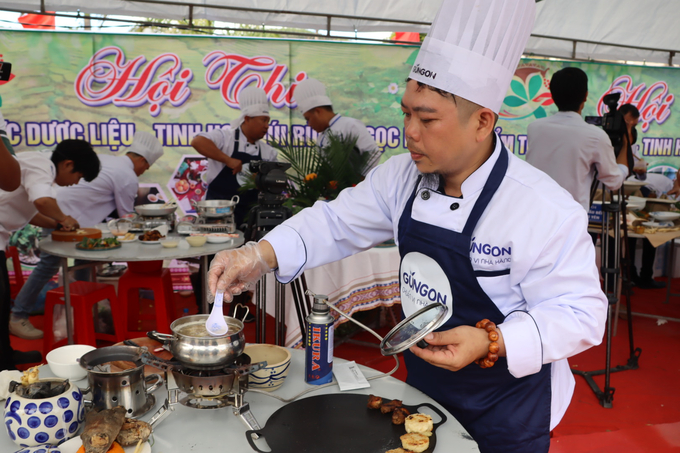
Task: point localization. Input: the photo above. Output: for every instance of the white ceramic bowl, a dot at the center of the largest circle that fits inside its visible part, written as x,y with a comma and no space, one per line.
196,241
169,242
272,376
63,361
31,422
663,216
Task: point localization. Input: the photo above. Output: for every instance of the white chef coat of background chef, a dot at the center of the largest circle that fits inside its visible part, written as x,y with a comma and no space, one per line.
550,266
37,181
654,181
224,140
114,188
343,126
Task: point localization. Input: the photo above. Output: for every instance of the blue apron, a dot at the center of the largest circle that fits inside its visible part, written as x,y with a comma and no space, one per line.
225,185
501,412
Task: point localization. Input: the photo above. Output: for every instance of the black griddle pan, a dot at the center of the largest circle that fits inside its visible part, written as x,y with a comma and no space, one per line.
337,423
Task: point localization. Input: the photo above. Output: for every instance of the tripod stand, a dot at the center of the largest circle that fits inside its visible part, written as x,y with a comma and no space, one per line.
611,268
262,219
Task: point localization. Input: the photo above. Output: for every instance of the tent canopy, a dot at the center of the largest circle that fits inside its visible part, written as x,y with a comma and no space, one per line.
629,30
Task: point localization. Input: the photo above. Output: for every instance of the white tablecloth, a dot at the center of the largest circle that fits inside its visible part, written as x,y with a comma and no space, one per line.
360,282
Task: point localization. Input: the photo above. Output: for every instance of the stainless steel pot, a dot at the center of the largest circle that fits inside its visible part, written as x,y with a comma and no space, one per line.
156,210
204,352
128,388
215,208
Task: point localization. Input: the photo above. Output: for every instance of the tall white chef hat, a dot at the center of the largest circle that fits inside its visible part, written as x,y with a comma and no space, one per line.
146,145
473,48
311,93
253,102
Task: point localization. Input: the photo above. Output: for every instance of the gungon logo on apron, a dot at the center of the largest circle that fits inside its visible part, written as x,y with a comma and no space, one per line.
423,282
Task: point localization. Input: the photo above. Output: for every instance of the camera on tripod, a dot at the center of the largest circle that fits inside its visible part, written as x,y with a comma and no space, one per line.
611,122
271,182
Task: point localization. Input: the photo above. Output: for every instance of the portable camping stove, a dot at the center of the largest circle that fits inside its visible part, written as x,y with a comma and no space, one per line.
206,389
143,222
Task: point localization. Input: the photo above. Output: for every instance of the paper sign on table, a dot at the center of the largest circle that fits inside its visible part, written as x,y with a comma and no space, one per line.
349,376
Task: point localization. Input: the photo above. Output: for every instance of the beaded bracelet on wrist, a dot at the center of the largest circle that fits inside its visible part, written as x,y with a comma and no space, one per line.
492,355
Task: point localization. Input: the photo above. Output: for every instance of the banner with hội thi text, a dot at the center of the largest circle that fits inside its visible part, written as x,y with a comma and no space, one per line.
104,87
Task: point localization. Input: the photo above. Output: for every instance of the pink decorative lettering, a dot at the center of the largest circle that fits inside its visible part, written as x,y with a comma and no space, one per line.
231,73
654,103
110,79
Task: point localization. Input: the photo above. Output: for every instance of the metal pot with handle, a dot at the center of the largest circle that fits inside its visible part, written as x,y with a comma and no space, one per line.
215,208
192,345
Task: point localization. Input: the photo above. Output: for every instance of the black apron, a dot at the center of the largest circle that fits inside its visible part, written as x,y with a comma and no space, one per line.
501,412
225,185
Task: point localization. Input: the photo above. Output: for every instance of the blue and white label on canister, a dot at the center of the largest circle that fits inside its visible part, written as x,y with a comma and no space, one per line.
319,354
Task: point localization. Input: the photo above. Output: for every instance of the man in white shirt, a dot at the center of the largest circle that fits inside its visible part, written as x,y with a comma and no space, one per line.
463,212
35,202
568,149
230,150
317,109
90,203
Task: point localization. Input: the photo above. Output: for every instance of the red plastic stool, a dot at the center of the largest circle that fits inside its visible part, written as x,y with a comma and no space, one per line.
13,254
151,276
84,297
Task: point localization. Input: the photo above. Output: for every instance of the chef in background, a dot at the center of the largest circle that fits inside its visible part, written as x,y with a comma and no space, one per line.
230,150
34,201
317,109
111,194
523,291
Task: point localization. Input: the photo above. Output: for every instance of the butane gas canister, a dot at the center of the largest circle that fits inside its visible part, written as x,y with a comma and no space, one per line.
319,353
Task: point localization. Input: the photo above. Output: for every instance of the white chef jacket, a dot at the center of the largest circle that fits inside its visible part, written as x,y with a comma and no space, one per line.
37,181
343,126
569,150
115,187
552,276
224,140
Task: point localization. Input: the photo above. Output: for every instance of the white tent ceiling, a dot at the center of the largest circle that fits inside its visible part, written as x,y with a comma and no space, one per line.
632,30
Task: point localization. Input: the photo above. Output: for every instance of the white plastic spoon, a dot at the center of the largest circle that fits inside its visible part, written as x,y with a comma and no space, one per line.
216,325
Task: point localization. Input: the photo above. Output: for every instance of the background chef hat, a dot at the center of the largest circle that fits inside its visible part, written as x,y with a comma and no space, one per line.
311,93
146,145
253,102
473,48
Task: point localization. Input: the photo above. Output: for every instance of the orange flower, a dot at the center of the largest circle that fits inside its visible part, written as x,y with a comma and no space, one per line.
310,177
333,185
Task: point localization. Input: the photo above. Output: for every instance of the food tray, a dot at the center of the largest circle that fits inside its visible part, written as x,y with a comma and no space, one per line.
337,423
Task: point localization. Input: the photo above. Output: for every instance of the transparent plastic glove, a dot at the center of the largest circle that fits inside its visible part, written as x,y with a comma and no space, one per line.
234,271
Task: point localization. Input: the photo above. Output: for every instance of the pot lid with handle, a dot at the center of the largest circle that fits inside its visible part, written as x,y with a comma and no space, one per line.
413,329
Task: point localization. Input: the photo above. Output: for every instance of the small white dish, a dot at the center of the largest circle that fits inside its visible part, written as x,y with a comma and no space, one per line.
651,224
127,241
64,361
218,239
664,216
150,242
169,243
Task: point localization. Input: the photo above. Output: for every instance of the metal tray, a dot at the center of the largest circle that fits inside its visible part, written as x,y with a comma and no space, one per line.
338,423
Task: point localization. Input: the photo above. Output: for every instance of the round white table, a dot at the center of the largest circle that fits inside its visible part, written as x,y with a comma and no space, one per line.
134,251
219,430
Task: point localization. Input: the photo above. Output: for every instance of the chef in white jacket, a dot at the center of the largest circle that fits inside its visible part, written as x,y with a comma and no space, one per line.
114,189
317,109
477,228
